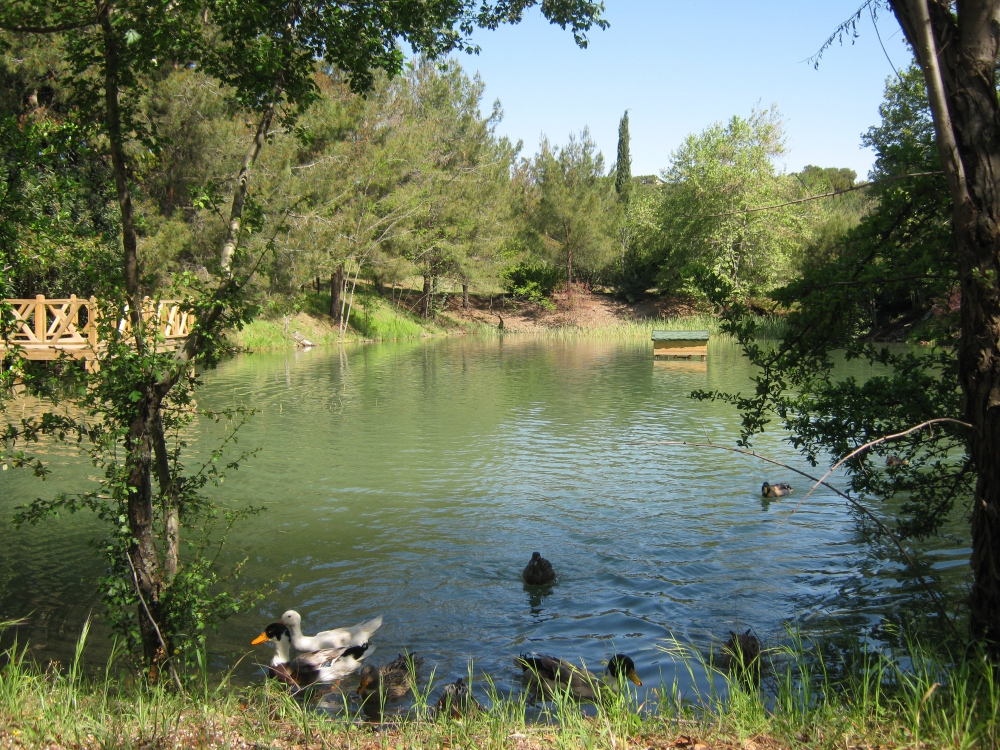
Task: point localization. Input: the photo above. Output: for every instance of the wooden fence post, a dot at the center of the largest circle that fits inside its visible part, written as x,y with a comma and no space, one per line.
92,324
40,326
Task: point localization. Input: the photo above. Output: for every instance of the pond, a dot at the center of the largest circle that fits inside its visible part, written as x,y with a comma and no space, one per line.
415,480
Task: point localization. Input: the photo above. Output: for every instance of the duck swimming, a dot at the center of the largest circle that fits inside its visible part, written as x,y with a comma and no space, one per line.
337,638
775,490
538,571
554,676
324,666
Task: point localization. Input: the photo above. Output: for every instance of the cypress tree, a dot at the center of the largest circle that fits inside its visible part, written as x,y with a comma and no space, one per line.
623,169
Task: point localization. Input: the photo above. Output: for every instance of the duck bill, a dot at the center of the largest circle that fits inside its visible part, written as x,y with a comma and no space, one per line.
634,677
262,638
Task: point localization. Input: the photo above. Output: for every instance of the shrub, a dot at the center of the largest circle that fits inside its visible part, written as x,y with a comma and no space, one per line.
531,281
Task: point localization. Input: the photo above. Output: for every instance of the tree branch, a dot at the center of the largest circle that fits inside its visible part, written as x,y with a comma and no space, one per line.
916,22
861,508
48,29
859,186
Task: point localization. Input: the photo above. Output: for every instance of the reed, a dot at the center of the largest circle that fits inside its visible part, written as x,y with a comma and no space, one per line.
768,327
803,695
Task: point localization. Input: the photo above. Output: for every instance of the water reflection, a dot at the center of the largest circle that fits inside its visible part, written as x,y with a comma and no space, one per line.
415,480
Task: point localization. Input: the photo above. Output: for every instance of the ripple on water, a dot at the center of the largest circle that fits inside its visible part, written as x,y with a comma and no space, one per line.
416,479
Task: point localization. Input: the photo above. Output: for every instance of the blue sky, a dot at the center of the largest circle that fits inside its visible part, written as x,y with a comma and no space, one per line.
679,66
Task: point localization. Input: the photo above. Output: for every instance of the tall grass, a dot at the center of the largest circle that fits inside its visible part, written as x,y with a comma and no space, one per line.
378,319
768,327
802,696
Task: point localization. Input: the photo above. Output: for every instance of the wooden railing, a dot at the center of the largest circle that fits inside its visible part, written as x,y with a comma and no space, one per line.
54,328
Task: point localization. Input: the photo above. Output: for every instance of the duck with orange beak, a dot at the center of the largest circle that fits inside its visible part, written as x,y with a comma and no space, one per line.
313,667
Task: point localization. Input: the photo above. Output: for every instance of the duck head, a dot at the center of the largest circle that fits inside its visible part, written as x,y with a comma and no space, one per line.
277,634
273,632
292,620
369,681
622,666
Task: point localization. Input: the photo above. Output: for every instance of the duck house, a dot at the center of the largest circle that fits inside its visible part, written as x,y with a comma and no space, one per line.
680,344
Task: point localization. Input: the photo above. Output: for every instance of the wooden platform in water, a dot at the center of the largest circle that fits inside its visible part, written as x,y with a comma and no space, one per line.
680,344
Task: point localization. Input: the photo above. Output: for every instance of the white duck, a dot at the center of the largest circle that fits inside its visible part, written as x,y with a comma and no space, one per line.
337,638
324,666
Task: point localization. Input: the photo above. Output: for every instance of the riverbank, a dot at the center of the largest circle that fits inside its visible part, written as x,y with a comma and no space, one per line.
848,698
374,317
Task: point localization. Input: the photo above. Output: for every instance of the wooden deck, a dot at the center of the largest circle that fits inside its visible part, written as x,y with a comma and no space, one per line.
49,329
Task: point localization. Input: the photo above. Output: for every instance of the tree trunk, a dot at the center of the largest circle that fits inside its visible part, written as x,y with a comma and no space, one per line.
425,301
112,113
569,271
958,56
169,499
465,296
142,550
240,194
336,289
318,289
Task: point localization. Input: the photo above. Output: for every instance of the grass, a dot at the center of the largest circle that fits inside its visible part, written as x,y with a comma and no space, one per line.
805,696
372,318
769,327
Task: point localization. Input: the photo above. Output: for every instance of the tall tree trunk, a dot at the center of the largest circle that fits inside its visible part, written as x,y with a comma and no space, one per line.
240,194
113,118
142,551
169,499
336,290
425,301
465,296
569,271
958,57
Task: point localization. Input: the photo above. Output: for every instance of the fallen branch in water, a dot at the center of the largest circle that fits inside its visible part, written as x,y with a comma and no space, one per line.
872,444
861,508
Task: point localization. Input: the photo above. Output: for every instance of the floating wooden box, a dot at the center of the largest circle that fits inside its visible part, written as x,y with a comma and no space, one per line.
680,344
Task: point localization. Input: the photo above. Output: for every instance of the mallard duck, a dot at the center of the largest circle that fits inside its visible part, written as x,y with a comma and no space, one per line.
742,650
327,665
551,675
390,682
393,679
894,460
337,638
457,700
538,571
775,490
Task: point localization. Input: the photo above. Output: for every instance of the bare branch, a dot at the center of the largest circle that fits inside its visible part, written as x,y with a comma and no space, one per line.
857,505
872,444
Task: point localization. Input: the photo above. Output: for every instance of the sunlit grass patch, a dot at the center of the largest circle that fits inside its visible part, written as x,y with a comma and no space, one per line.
804,695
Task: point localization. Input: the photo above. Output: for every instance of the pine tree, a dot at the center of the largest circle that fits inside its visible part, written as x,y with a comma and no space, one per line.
623,169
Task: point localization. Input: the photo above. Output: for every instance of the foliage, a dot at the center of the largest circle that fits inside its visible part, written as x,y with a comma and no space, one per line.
568,203
712,181
887,274
120,64
530,281
623,164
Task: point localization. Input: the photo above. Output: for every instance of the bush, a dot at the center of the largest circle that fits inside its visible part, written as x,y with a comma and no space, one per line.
530,281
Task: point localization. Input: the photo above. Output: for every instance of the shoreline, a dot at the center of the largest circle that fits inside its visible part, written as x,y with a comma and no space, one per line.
375,319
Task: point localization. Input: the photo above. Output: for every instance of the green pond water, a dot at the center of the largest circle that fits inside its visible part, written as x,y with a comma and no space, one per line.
416,479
